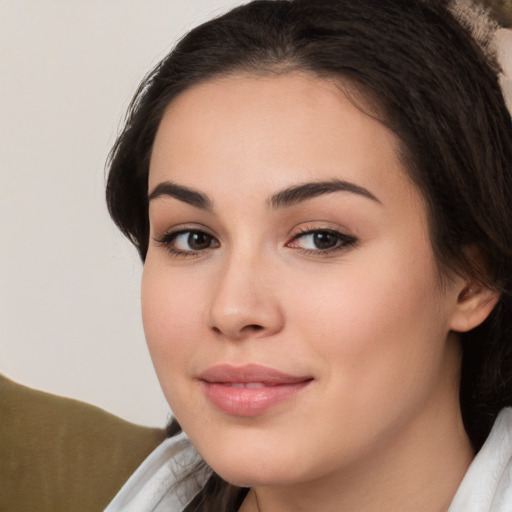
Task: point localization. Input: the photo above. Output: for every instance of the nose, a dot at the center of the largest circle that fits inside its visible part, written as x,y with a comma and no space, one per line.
244,303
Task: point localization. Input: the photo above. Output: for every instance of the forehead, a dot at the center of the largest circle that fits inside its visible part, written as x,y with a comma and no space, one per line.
271,131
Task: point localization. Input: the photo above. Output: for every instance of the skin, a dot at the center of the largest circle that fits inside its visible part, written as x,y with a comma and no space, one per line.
379,426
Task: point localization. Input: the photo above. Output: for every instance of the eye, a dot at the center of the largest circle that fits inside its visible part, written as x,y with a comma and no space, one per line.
187,242
321,241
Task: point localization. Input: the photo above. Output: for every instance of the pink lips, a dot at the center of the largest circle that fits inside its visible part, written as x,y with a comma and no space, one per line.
249,390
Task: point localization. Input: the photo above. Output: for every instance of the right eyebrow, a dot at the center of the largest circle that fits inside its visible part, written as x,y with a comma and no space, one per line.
181,193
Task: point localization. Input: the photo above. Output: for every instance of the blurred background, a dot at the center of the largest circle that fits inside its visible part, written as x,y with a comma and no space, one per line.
69,312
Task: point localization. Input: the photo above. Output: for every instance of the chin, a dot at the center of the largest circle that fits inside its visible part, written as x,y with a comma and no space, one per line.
258,463
254,473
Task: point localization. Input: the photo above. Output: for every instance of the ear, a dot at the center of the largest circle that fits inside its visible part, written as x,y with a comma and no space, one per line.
474,304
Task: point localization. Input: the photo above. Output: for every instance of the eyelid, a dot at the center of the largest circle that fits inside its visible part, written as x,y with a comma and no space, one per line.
305,228
161,232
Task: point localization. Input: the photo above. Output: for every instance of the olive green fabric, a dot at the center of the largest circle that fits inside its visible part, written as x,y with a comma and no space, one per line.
62,455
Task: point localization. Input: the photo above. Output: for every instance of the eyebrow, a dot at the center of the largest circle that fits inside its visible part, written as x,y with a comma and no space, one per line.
305,191
285,198
181,193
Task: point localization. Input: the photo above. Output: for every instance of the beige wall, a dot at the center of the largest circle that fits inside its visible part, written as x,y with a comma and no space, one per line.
69,311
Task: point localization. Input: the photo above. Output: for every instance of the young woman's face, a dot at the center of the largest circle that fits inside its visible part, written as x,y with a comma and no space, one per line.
291,300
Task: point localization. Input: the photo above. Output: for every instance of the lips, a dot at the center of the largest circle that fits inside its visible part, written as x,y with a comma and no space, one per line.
249,390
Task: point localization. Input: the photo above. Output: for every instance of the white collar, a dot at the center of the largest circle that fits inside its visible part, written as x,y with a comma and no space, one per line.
487,485
159,484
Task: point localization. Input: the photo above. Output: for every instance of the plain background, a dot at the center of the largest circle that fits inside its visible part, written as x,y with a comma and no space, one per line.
69,311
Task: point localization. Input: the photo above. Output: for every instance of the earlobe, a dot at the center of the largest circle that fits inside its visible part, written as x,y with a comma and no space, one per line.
474,304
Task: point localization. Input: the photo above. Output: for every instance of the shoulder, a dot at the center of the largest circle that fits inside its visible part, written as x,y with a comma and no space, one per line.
167,480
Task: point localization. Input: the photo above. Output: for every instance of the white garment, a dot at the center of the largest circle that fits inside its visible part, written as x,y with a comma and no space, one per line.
156,486
487,485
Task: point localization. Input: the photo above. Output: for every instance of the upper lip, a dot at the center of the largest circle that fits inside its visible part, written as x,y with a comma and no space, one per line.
229,374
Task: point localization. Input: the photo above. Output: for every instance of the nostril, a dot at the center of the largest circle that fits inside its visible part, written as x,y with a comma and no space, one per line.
254,327
237,331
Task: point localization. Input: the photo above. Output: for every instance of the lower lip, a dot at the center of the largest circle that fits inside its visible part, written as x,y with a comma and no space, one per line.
250,401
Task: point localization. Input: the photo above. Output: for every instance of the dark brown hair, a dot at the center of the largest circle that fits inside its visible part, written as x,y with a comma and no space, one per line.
423,76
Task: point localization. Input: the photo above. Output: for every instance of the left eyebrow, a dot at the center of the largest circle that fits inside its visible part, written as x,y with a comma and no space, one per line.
299,193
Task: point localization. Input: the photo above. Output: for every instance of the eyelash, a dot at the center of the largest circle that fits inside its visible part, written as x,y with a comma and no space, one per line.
344,241
168,238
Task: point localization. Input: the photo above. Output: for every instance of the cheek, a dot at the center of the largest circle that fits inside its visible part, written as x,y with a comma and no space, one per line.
170,310
378,319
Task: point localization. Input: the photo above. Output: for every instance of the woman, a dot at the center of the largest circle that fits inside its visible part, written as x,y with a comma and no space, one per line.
320,192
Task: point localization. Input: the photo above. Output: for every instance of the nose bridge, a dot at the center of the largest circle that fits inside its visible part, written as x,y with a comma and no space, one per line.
244,301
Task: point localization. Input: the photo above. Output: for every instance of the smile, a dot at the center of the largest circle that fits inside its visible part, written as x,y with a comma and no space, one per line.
246,385
249,390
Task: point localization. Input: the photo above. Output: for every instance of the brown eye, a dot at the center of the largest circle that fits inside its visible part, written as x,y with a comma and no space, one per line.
325,240
187,242
322,241
198,241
